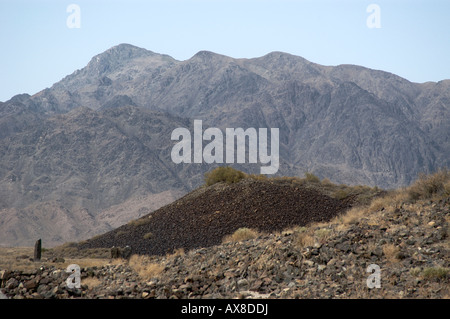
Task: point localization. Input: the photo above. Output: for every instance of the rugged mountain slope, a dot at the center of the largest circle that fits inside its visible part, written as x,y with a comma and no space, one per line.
74,166
348,123
101,136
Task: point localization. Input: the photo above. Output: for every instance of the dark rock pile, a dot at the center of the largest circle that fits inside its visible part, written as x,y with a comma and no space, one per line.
204,217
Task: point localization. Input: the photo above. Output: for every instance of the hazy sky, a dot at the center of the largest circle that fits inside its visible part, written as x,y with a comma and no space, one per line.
38,48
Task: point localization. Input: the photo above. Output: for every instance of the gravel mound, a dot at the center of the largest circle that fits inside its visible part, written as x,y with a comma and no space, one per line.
204,217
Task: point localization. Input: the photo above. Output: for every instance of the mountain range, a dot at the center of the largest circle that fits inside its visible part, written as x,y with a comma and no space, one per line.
93,151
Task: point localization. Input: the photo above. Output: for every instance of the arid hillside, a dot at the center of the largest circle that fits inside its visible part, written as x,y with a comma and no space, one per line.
389,245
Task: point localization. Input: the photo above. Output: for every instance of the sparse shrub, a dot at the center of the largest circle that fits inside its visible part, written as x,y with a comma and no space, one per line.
389,202
340,194
298,181
378,204
302,237
435,273
391,252
327,182
322,234
140,221
303,240
430,273
415,271
300,229
178,252
352,216
447,188
92,282
310,177
144,269
148,236
241,234
426,186
225,174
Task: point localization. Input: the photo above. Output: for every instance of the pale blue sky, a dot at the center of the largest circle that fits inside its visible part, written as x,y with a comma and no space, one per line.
38,49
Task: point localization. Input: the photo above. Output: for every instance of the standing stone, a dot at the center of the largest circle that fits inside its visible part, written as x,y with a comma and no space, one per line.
115,252
37,250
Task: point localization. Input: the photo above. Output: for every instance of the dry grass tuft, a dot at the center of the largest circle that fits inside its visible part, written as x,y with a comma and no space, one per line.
146,270
391,252
322,234
92,282
435,273
431,273
140,221
427,186
303,237
389,202
351,217
148,235
178,252
310,177
241,234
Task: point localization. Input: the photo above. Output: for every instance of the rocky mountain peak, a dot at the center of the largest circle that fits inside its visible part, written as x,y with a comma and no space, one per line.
123,52
209,57
115,57
283,56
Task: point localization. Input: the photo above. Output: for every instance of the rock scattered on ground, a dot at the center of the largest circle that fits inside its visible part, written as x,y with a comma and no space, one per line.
410,244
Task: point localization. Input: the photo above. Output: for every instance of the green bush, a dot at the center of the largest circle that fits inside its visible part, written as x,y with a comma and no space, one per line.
226,174
430,273
435,273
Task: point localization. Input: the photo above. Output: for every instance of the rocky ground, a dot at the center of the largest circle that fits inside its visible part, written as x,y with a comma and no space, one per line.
409,243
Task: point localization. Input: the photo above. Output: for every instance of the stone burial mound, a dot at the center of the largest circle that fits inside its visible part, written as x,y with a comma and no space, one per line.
205,216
